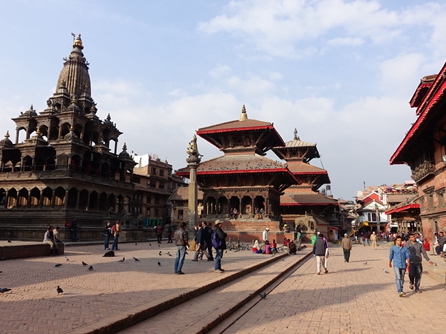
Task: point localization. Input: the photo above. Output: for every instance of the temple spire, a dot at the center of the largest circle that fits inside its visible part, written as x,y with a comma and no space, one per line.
243,115
78,42
295,135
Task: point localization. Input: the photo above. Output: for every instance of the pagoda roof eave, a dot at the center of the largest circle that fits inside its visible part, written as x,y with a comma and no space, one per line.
308,204
433,96
403,208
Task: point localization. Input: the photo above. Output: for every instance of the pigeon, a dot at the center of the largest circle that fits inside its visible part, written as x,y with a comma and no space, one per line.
262,295
150,245
109,254
134,258
283,259
385,271
160,253
159,245
67,259
90,268
159,263
3,290
136,243
58,265
1,271
84,264
365,263
9,241
59,290
170,254
123,259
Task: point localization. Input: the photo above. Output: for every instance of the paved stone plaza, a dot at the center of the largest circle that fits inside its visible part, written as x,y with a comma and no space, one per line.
351,298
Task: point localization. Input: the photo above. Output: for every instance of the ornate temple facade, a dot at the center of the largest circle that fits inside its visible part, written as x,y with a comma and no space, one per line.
423,149
63,161
243,187
301,204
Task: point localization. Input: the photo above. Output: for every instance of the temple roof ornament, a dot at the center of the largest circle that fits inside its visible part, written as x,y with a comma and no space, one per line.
78,42
29,113
124,154
71,135
243,115
295,135
192,151
6,142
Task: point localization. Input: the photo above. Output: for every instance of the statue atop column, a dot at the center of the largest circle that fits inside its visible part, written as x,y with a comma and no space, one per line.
192,150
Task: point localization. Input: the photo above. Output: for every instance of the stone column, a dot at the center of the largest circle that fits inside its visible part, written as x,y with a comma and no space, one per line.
193,161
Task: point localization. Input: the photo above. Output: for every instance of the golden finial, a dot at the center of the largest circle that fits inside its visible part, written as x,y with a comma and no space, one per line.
295,135
7,134
243,115
38,132
78,42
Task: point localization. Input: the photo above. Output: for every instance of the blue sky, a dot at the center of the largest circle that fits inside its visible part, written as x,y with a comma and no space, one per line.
341,72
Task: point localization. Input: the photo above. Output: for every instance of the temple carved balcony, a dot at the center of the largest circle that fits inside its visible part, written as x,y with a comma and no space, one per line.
423,170
62,173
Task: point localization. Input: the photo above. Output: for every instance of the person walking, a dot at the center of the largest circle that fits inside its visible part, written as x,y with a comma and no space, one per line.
200,247
416,268
169,233
320,251
346,245
373,239
207,231
116,230
107,234
181,238
220,238
159,232
400,257
74,227
313,239
265,234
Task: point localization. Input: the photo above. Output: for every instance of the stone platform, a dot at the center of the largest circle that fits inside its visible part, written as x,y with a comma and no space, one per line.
22,249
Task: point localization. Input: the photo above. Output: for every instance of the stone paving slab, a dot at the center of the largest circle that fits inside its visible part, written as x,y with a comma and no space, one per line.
352,298
105,294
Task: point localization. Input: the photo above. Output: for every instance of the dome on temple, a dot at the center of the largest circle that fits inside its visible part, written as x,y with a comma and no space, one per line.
29,113
6,142
124,154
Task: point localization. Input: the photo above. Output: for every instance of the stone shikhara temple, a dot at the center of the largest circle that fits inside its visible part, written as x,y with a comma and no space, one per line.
63,163
244,189
60,164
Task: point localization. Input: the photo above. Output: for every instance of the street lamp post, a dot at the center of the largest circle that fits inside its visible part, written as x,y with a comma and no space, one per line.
378,231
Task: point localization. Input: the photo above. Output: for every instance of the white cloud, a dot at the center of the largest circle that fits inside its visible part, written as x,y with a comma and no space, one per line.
400,74
346,41
281,28
220,71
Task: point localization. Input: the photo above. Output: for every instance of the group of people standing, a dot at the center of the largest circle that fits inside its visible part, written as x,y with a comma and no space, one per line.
206,239
112,231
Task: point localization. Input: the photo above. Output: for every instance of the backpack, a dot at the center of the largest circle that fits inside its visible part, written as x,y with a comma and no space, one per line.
216,242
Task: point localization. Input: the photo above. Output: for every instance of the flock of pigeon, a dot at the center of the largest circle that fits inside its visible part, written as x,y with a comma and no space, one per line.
59,290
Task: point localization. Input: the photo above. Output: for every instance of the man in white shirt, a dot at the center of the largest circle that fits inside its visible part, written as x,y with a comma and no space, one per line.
265,234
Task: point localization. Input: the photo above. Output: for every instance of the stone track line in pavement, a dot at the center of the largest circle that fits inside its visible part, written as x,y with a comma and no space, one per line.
202,313
111,295
353,298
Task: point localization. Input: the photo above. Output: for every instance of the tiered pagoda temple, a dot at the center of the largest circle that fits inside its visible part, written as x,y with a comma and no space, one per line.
63,166
243,187
301,203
